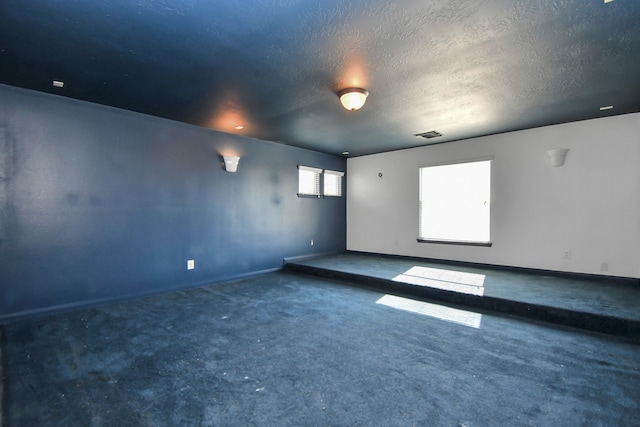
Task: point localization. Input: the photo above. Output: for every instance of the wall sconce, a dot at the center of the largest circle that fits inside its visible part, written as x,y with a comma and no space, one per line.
231,163
353,98
557,156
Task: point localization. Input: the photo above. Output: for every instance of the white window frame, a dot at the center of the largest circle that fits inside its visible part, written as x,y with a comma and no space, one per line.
306,188
465,201
332,189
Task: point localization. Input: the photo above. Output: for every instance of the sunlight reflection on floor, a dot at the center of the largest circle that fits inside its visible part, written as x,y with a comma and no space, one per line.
441,312
449,280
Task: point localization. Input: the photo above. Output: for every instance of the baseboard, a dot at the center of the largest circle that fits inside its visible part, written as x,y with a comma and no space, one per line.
309,256
45,311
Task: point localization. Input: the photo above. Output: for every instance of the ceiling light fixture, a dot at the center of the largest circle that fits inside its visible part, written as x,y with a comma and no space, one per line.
605,108
239,127
353,98
58,83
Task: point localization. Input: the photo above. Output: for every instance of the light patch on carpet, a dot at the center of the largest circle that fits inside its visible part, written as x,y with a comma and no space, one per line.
454,315
448,280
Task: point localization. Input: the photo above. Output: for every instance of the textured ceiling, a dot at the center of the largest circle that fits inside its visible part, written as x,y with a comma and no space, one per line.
464,68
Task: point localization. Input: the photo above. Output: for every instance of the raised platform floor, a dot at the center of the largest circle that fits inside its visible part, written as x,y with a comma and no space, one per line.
595,303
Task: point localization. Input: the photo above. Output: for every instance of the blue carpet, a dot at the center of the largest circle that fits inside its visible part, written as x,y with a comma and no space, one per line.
287,350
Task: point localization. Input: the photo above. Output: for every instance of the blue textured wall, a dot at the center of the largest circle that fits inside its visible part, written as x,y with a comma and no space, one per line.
100,204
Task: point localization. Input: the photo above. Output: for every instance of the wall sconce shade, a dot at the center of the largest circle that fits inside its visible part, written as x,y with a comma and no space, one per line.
353,98
231,163
557,156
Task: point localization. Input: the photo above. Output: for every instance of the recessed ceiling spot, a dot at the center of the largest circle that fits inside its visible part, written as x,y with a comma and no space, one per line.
239,127
345,153
606,107
428,135
58,83
608,1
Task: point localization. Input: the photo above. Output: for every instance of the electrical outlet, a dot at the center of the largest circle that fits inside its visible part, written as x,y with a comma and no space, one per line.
191,264
566,254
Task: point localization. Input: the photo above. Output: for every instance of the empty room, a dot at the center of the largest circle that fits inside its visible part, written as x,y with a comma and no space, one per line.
319,213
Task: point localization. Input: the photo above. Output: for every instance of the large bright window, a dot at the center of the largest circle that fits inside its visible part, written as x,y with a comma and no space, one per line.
455,203
309,181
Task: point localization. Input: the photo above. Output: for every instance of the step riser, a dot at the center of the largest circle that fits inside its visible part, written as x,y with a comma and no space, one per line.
587,321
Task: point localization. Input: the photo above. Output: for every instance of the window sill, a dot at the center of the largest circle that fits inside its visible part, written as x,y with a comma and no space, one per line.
455,242
309,196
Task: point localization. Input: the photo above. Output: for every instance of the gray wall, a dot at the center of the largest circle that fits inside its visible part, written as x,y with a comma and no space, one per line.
590,206
102,204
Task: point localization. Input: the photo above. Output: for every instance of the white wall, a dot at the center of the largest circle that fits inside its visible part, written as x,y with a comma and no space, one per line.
590,206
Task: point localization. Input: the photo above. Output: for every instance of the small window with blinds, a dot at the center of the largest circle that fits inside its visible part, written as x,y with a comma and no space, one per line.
332,183
308,181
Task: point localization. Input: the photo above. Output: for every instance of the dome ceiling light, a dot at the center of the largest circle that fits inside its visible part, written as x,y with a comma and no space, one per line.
353,98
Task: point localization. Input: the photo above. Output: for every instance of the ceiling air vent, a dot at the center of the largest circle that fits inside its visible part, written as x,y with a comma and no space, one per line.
429,135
